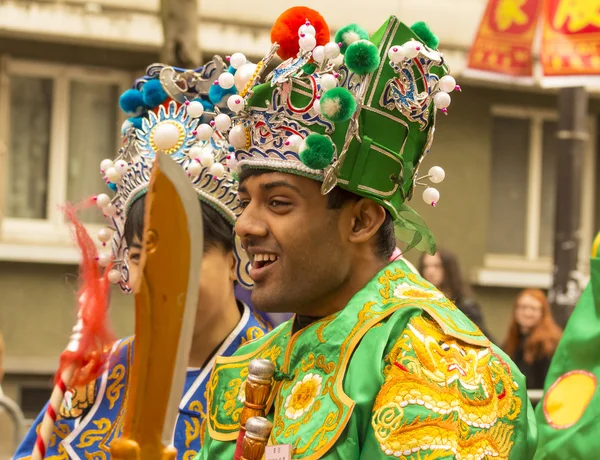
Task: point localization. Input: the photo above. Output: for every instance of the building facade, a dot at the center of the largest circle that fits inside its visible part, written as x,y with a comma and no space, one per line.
63,64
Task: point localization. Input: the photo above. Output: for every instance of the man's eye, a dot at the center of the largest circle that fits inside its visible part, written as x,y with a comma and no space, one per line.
244,204
134,257
278,204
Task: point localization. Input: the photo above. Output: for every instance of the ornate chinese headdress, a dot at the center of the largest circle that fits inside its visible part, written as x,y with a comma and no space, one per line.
181,113
358,113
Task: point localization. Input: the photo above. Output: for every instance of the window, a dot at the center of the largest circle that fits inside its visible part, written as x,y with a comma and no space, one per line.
523,188
57,123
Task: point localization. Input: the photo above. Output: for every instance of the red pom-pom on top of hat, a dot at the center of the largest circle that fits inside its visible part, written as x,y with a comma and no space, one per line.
285,30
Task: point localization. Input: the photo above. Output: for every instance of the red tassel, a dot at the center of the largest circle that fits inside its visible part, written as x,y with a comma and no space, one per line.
237,455
96,335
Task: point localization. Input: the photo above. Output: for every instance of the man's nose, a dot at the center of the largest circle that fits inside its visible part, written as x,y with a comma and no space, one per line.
251,224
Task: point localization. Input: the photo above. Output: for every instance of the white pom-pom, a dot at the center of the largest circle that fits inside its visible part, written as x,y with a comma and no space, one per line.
102,200
447,83
114,276
441,100
328,82
121,166
235,103
431,196
195,152
232,163
237,60
307,43
104,258
294,142
436,174
110,210
204,132
105,234
237,137
222,122
319,54
106,164
195,109
207,158
306,29
331,50
243,76
226,80
166,135
217,169
113,175
412,48
317,106
194,168
396,54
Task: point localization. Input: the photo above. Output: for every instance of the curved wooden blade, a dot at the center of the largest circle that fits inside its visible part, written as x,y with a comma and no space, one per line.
165,300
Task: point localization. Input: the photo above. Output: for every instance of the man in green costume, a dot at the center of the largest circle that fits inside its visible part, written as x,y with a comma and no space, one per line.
376,363
568,415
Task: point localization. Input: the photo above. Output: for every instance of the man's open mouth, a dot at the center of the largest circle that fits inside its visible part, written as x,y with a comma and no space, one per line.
261,264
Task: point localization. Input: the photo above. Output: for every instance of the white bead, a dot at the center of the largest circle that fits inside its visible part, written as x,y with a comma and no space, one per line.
436,174
235,103
106,164
431,196
114,276
307,43
412,48
331,50
110,210
294,142
317,106
113,175
207,158
328,81
338,61
121,166
195,152
232,163
396,54
194,168
166,136
244,75
319,54
102,200
222,122
237,137
226,80
441,100
204,132
307,30
104,234
104,258
217,170
237,60
195,109
447,83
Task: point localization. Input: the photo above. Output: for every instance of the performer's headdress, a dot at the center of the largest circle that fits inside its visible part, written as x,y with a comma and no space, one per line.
358,113
181,113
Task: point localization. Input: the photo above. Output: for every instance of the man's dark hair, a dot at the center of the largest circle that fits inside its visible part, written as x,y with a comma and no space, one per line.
385,242
217,231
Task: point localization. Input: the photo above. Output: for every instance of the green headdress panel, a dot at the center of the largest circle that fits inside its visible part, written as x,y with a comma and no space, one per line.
358,113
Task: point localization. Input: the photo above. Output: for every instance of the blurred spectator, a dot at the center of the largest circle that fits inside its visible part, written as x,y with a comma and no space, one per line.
442,270
532,337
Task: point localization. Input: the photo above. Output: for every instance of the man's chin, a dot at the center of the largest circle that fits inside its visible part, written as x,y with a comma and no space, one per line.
263,301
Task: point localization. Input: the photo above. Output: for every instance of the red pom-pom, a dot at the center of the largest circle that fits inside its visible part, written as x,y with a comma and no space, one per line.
285,30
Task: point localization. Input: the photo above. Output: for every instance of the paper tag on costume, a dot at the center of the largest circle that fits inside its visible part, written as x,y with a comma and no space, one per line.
279,452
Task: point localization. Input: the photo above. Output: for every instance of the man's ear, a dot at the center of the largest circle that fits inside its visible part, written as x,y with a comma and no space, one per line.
367,218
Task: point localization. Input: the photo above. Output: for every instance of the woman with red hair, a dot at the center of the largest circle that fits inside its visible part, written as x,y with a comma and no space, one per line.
533,336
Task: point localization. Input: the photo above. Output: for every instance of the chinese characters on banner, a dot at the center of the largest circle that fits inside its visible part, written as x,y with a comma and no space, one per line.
571,38
505,38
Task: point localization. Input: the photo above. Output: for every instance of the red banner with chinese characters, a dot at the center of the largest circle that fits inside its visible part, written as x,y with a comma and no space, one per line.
571,38
505,38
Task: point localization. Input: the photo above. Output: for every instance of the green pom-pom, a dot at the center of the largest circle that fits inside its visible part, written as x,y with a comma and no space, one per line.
425,34
316,151
338,104
362,57
309,68
349,34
